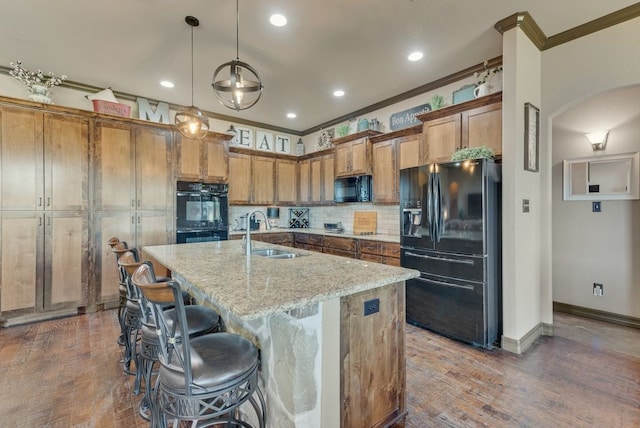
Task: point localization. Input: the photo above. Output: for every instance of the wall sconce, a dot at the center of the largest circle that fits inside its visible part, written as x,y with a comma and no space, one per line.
598,139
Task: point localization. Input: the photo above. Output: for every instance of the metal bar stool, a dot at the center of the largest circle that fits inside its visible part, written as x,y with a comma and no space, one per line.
200,319
118,248
206,378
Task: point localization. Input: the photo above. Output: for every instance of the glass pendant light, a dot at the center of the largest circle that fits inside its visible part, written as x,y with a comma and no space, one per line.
192,122
236,84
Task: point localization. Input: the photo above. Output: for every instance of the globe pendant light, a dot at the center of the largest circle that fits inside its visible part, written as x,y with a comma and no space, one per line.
192,122
236,84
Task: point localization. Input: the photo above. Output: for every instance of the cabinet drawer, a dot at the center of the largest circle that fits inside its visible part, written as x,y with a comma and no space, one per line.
371,257
346,244
392,261
309,247
306,238
282,238
390,250
370,247
339,252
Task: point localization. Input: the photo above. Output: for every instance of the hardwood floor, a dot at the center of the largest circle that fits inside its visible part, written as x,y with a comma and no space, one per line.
66,373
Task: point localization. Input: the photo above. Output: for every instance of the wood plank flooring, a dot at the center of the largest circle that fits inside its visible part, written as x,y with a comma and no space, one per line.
66,373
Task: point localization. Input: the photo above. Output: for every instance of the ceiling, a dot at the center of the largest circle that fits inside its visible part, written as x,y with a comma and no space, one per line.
360,46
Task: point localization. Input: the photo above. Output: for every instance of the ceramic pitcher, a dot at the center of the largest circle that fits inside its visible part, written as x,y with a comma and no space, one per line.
481,90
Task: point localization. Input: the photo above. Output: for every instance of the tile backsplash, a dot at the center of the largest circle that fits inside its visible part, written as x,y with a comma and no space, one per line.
388,216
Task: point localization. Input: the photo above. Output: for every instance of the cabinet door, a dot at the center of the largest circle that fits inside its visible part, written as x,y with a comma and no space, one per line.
262,177
66,158
239,179
21,246
361,156
343,159
66,260
154,228
442,137
216,160
21,180
153,169
287,182
482,126
410,152
189,157
107,225
385,187
316,181
328,178
305,181
114,183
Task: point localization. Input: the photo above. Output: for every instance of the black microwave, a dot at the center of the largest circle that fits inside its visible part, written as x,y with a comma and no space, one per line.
353,189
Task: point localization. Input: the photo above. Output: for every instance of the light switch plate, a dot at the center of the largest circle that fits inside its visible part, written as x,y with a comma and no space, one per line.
525,205
596,207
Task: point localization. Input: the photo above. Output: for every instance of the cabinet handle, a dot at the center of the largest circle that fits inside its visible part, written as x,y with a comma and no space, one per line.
138,219
48,201
138,203
40,201
133,220
39,221
48,221
133,203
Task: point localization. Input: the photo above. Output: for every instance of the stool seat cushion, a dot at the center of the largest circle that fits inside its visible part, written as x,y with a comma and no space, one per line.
217,361
200,320
133,308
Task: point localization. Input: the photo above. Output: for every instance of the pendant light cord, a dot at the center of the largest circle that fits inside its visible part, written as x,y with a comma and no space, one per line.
191,65
237,29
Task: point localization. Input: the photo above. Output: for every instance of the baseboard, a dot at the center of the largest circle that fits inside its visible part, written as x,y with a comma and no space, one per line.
596,314
42,316
518,346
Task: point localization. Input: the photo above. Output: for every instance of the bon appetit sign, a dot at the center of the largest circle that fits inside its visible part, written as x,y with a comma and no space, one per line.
407,118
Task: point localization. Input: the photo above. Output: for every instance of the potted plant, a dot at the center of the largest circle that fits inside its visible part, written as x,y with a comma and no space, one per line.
38,83
472,153
483,78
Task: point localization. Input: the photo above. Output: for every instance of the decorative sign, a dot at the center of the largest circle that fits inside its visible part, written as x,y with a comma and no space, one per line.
283,144
146,112
264,141
407,118
244,138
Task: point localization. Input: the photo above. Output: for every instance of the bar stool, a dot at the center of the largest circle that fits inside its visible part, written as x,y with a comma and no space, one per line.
206,378
200,319
118,248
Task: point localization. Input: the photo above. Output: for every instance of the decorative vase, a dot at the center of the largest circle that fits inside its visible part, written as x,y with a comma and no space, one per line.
482,90
40,94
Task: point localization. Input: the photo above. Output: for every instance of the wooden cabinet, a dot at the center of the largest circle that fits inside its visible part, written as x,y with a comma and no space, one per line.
279,238
353,158
134,195
385,173
339,246
251,179
286,182
316,179
308,241
380,252
472,124
372,349
44,253
411,151
202,160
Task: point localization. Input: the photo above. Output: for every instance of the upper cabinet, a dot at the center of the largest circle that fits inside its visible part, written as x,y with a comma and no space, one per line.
202,160
470,124
286,182
353,154
251,179
316,177
385,172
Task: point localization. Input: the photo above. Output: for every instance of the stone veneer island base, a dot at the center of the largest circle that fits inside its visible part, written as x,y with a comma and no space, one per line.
323,362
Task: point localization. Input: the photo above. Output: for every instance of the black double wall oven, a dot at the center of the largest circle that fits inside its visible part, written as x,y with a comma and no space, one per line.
201,212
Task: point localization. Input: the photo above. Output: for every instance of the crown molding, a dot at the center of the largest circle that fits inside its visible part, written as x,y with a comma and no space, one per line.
527,24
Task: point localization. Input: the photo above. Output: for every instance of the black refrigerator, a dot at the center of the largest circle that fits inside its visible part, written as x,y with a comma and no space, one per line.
451,233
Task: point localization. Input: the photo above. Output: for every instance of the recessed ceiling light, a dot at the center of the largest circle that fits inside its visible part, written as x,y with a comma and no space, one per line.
338,93
415,56
167,84
278,20
291,115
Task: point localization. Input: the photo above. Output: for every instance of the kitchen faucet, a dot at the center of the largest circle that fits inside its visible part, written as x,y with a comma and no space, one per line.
247,236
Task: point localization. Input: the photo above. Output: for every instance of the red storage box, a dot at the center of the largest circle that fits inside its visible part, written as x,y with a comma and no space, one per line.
108,107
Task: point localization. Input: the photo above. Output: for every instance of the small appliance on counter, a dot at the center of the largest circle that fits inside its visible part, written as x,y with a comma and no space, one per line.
273,214
334,227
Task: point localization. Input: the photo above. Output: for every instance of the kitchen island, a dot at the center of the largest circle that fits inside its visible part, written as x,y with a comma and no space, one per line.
324,363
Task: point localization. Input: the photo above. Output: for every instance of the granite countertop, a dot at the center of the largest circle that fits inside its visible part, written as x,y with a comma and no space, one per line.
347,234
254,287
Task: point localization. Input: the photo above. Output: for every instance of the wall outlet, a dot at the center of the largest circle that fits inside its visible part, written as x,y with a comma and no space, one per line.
598,289
371,306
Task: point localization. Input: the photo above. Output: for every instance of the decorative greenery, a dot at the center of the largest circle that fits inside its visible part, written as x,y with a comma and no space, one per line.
472,153
33,78
486,75
437,101
342,130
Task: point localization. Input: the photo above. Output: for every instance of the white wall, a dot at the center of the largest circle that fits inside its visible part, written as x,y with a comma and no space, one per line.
521,251
593,247
573,72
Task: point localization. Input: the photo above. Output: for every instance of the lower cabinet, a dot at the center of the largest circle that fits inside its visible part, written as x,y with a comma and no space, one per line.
45,261
387,253
137,229
279,238
308,241
338,246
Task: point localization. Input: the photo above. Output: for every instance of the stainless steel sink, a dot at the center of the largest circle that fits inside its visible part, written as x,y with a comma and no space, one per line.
274,253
